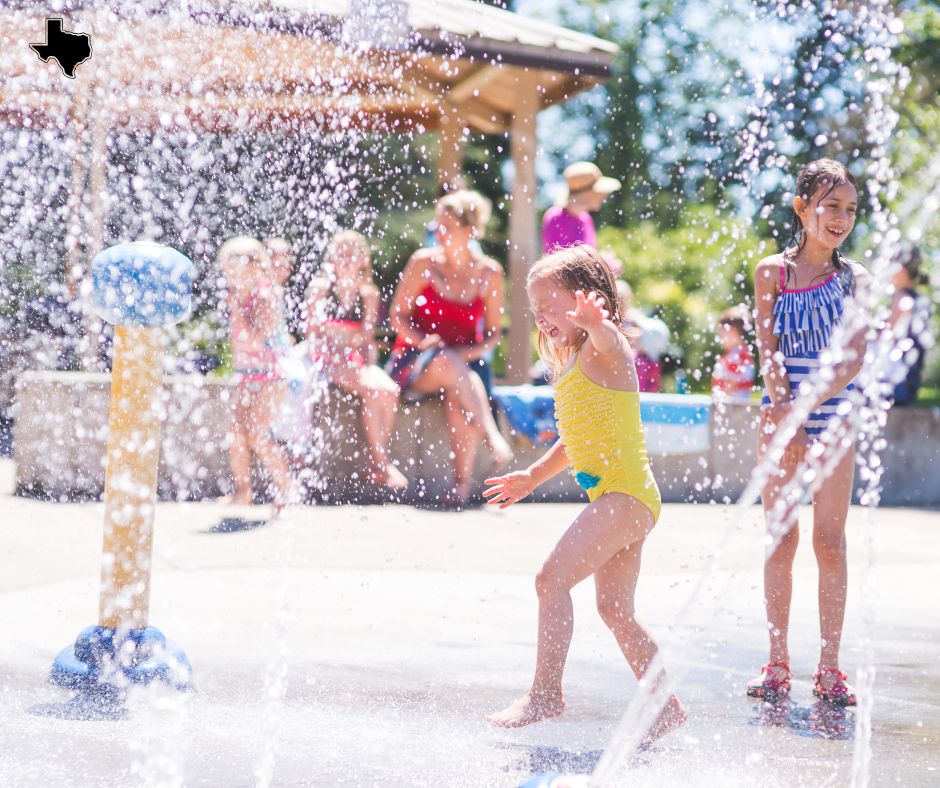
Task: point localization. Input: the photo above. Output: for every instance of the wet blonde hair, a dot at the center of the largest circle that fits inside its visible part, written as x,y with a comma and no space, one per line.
470,208
357,241
241,250
572,269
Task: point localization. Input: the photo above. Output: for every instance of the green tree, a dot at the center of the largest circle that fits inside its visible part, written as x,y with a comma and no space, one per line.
915,149
687,275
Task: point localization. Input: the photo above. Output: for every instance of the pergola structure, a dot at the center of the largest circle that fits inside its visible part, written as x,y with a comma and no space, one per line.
395,66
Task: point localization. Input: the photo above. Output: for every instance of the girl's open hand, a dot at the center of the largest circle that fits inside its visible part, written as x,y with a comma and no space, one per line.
506,490
589,311
795,450
431,341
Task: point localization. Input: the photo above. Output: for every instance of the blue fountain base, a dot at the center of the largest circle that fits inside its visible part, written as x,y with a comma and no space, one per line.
107,661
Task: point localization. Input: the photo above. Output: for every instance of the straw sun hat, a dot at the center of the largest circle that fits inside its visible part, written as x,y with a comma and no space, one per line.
585,176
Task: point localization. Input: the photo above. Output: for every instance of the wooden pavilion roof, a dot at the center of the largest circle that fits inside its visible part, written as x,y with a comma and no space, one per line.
253,64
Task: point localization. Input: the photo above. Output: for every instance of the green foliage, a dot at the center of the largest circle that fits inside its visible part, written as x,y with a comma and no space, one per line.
914,151
401,233
928,397
688,275
695,114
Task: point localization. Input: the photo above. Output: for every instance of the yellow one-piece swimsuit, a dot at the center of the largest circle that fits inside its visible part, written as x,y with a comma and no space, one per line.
603,437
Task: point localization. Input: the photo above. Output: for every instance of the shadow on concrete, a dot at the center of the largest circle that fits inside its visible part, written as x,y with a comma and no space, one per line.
85,706
537,759
822,720
231,525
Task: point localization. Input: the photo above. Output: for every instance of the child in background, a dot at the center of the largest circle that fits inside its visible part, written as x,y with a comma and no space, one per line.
597,407
649,337
282,263
340,316
800,296
908,325
254,309
733,376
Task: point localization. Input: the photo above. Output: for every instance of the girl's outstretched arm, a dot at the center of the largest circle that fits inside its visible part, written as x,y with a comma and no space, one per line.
512,487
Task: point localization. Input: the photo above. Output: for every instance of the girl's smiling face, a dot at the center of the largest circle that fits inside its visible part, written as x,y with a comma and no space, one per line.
829,218
550,304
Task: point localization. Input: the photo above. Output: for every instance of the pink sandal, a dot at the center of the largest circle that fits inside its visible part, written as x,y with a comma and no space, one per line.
767,686
839,694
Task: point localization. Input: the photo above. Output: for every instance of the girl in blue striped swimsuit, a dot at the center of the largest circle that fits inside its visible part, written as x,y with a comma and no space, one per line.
800,296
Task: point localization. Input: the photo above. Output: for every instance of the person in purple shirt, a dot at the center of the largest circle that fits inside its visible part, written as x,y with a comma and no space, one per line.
570,223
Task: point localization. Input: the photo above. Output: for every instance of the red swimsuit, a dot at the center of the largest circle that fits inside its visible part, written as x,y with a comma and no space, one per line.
455,322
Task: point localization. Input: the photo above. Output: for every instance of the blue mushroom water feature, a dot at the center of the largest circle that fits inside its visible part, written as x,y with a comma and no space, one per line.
139,287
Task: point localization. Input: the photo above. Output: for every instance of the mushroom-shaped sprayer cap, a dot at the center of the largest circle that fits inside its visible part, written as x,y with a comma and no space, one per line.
142,284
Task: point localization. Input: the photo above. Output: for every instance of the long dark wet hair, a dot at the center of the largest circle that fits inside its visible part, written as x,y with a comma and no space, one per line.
823,174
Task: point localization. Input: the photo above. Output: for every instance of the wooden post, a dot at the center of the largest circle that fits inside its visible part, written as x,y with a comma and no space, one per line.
74,224
98,182
95,208
450,145
522,226
130,492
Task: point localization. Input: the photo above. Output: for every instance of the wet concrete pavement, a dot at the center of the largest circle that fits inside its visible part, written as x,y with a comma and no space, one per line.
364,646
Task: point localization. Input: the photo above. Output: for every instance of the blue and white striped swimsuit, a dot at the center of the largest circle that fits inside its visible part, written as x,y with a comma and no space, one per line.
803,324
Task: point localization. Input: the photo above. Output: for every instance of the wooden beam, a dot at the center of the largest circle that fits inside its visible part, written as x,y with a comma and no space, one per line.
484,117
471,85
522,224
562,87
74,225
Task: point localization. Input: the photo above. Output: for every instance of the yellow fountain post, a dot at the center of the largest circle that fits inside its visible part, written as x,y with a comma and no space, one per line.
140,288
131,476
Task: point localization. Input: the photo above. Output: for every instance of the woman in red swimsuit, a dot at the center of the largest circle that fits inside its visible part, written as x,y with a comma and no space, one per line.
446,313
341,312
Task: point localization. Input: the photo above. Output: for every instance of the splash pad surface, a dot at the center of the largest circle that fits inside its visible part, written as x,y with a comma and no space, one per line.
402,628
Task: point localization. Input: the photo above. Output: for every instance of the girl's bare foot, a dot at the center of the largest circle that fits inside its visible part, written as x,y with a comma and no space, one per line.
529,708
238,498
394,478
284,498
671,717
388,476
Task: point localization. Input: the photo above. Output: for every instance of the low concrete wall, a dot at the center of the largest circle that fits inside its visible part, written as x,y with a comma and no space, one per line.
61,429
908,455
60,439
60,434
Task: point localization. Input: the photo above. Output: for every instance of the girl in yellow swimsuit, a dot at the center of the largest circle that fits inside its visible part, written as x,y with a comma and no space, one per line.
597,406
